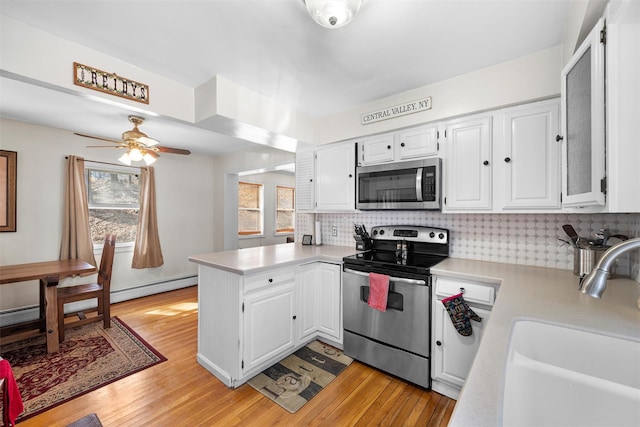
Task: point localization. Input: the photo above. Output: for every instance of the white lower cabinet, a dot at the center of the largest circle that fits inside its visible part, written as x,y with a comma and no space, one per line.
451,353
319,290
307,290
268,323
248,322
330,301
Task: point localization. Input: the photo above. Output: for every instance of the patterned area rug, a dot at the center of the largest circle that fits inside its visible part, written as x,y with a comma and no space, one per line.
293,381
89,358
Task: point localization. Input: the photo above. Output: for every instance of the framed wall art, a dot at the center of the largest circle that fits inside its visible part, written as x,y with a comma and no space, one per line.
8,176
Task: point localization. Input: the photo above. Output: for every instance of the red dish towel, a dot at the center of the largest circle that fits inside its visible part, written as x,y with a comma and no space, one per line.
378,291
14,407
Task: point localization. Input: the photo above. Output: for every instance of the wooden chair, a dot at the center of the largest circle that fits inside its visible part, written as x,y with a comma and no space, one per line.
100,290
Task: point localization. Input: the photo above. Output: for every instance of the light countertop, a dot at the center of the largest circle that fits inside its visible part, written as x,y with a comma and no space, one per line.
258,259
537,293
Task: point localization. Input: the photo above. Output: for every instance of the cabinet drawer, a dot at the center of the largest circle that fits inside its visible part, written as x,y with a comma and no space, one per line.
472,291
268,278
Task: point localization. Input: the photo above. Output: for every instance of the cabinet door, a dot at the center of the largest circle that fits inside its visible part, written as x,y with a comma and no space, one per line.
531,156
453,353
417,142
305,173
623,106
335,178
330,301
583,127
308,290
268,324
377,149
468,164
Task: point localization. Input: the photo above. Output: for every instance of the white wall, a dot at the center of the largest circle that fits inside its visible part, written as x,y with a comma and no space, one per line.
185,201
225,192
270,181
532,77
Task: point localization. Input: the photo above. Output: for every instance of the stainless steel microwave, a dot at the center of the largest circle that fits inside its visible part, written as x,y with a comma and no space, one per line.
400,185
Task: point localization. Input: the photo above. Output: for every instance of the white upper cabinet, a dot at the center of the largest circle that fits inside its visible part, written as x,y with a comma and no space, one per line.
468,164
623,106
408,144
377,149
505,160
335,178
583,123
325,179
417,142
305,186
530,156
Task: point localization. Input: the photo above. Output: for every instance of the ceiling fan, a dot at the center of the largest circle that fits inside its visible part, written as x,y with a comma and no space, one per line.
138,145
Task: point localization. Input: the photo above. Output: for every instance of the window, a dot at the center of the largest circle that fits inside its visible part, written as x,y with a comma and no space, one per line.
114,201
249,208
285,209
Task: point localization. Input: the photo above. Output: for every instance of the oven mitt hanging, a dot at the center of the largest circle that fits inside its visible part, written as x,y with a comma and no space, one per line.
461,314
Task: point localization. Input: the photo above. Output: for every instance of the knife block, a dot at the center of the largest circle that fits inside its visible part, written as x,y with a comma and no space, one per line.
362,244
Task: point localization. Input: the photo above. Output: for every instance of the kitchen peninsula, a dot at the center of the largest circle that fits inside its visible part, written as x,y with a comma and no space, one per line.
257,305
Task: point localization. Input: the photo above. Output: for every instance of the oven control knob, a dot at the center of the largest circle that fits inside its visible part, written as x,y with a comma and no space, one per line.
438,343
441,236
381,232
432,234
375,232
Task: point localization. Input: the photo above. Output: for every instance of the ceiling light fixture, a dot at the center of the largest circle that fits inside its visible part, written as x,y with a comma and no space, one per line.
137,152
333,13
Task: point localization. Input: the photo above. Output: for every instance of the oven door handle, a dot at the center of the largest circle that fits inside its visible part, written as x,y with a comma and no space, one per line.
391,278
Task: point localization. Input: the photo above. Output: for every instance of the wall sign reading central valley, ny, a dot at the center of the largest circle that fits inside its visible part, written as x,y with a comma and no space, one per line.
397,111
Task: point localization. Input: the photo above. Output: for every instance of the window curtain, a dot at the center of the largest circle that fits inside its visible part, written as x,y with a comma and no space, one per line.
76,232
147,252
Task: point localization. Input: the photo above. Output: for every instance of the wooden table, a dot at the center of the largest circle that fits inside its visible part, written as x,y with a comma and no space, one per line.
49,274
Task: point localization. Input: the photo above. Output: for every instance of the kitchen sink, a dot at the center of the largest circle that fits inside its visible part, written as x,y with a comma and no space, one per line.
559,376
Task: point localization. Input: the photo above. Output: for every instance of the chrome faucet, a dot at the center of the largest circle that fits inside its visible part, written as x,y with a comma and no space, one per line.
595,282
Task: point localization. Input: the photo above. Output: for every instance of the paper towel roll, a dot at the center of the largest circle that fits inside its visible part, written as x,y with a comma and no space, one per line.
317,234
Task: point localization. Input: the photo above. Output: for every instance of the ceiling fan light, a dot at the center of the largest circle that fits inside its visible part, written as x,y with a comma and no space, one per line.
135,154
125,159
333,13
148,159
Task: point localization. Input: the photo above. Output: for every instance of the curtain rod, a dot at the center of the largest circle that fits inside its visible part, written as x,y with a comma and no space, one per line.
107,163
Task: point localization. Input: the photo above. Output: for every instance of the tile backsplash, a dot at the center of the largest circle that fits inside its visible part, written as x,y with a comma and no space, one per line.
528,239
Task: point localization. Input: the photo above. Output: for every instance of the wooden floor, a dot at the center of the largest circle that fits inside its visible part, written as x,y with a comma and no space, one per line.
179,392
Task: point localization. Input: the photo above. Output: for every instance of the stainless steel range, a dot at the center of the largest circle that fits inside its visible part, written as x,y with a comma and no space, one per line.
397,340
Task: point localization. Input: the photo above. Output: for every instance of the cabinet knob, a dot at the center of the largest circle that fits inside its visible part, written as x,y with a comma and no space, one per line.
559,138
402,144
350,175
294,317
388,147
486,163
311,180
507,159
270,280
438,343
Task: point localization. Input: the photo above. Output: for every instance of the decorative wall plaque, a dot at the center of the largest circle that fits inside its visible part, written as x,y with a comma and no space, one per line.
397,111
110,83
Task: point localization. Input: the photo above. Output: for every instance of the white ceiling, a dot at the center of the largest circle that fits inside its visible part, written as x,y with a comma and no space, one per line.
274,48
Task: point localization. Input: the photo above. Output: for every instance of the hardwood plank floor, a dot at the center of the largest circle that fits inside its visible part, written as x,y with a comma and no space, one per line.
180,392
